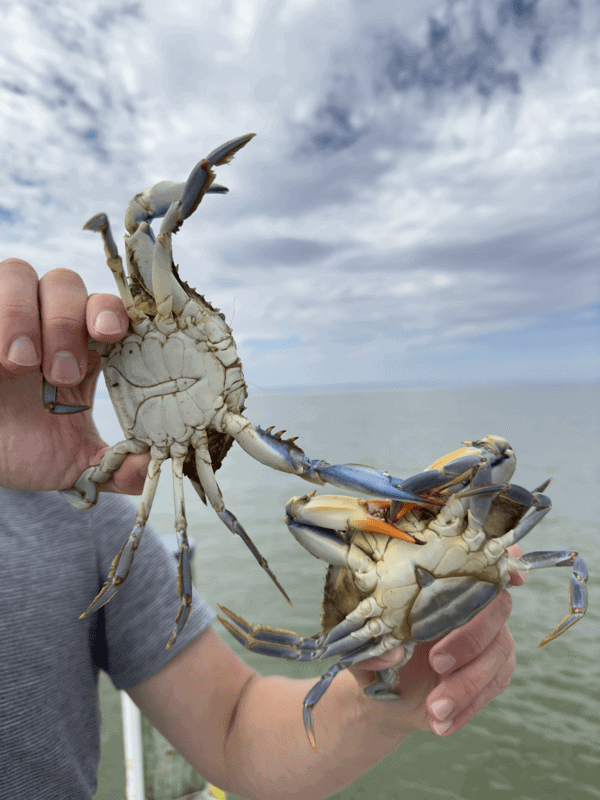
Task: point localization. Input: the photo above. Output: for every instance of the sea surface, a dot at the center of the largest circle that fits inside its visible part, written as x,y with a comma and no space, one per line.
541,737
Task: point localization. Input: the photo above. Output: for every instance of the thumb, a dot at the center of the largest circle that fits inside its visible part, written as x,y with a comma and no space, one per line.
130,477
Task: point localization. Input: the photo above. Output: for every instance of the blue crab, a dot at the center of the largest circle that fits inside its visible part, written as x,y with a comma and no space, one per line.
383,590
176,383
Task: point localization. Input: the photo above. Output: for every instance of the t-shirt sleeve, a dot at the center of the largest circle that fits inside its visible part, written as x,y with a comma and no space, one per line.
130,633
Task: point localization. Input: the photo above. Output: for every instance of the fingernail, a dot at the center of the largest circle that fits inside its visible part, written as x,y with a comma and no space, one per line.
441,727
442,708
108,322
443,663
64,368
22,352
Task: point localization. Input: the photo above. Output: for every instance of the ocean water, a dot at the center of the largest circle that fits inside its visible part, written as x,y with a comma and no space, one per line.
541,737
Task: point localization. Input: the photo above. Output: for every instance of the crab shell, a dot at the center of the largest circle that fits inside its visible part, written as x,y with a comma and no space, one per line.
136,365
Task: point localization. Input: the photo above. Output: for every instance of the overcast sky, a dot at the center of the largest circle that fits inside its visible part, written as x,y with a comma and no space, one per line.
420,204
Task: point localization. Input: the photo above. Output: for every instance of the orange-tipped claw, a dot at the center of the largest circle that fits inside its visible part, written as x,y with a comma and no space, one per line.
374,525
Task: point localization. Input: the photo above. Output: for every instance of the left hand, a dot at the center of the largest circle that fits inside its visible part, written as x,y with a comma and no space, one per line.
429,684
46,322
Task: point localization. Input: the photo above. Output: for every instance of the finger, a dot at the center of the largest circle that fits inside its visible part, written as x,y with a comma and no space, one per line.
130,477
107,320
63,299
464,644
391,658
20,331
457,699
516,578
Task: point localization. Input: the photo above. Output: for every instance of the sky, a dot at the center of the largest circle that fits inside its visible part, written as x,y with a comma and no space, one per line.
420,204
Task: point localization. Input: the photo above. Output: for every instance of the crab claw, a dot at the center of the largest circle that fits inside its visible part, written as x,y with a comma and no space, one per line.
49,393
321,515
202,175
283,454
156,201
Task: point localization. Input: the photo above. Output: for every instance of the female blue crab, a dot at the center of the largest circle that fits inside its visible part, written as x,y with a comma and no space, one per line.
177,386
382,590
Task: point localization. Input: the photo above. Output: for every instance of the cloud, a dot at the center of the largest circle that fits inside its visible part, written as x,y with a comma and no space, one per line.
421,199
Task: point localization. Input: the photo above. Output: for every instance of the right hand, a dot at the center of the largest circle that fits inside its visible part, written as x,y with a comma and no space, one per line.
41,451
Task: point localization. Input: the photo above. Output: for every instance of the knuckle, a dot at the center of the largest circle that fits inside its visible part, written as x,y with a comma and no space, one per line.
498,684
504,603
61,321
506,643
18,311
476,636
470,687
62,292
472,645
63,299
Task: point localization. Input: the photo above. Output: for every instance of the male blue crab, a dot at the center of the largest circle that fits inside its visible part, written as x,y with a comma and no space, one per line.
177,386
382,590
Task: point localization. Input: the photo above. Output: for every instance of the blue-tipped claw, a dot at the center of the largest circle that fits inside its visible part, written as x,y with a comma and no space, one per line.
49,394
201,177
359,478
225,152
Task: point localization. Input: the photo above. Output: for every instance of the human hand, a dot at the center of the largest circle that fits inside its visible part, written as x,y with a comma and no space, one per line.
42,451
443,696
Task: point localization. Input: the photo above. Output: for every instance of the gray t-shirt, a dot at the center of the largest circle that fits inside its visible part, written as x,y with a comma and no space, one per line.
53,561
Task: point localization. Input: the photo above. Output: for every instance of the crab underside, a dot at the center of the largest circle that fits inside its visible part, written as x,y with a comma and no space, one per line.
383,590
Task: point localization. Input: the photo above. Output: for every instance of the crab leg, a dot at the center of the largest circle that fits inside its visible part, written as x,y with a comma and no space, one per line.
84,493
577,601
122,562
268,641
324,682
382,688
577,586
211,489
184,571
100,224
285,455
280,643
539,505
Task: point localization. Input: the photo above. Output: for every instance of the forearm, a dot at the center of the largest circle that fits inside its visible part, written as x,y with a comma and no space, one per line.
245,733
268,754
